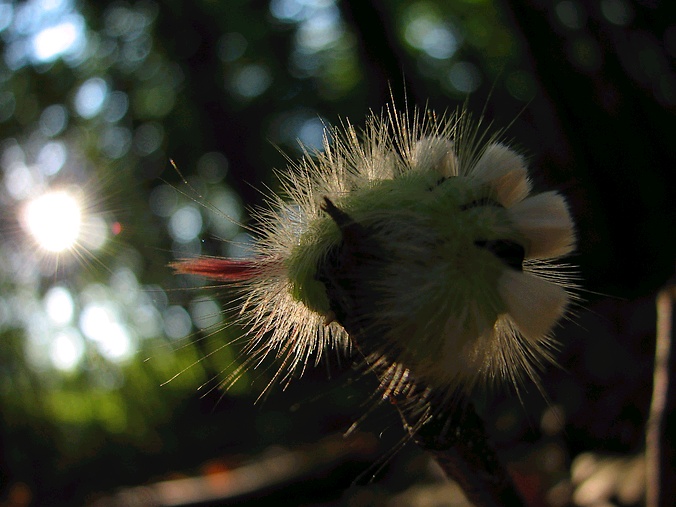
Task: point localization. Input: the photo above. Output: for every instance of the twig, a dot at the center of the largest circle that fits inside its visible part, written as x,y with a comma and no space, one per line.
455,434
660,488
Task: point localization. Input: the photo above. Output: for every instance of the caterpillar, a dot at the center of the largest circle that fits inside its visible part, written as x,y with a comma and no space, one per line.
417,241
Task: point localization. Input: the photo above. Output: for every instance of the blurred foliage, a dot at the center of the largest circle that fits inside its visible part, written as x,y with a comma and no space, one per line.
97,97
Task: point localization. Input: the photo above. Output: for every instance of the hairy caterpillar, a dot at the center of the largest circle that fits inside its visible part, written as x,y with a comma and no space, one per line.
416,241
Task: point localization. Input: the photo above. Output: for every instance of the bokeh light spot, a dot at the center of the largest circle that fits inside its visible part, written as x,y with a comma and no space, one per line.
99,323
320,31
185,224
231,46
251,80
226,214
148,138
430,34
50,43
117,106
618,12
67,349
90,97
53,120
311,133
177,323
59,305
6,15
464,77
212,166
206,313
52,157
115,142
571,14
163,200
19,181
287,10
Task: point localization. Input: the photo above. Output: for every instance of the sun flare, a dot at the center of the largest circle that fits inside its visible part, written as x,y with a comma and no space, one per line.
54,220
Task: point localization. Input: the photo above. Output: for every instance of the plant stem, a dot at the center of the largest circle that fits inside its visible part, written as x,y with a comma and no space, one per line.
660,487
456,436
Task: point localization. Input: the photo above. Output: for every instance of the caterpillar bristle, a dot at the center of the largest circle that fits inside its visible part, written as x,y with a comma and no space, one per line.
545,221
437,153
535,305
511,187
505,171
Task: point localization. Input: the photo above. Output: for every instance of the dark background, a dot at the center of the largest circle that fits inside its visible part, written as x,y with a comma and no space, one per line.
587,90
